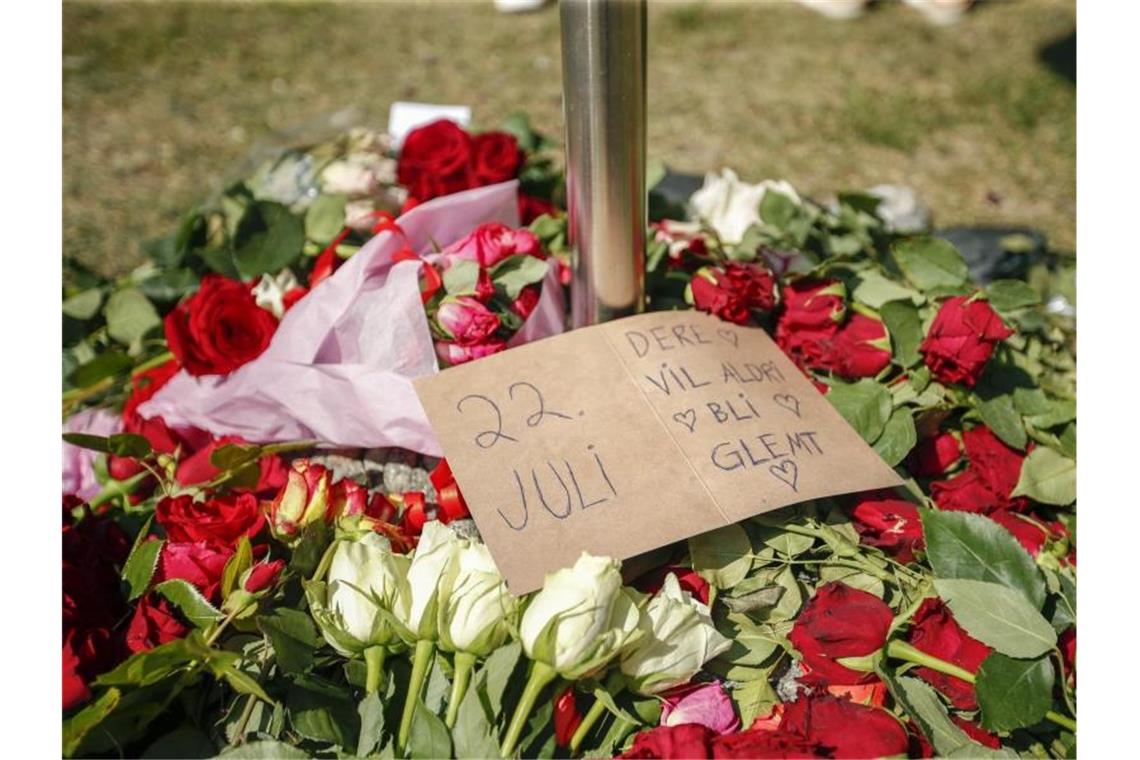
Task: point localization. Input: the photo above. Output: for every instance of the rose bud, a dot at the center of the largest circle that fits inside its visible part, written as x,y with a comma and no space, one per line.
525,303
581,619
892,525
934,631
436,556
491,242
706,703
466,320
476,612
861,348
364,577
961,340
152,625
302,500
347,498
262,576
679,638
840,622
935,456
453,353
566,717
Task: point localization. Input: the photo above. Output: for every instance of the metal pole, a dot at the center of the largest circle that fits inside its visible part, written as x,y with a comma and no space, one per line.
603,90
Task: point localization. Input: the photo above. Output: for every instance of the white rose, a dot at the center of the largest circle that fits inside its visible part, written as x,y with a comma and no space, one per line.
679,638
730,206
581,619
475,608
901,209
269,292
360,174
364,577
434,558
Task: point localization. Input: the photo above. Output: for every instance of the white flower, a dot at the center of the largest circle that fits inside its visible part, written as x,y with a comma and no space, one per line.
358,175
581,619
679,638
901,209
364,578
475,608
435,557
730,206
269,292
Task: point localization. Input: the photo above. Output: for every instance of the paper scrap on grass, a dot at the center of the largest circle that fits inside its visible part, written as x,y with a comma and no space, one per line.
404,116
627,436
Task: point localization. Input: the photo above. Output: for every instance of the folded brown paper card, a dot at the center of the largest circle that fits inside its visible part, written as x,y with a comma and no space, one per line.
627,436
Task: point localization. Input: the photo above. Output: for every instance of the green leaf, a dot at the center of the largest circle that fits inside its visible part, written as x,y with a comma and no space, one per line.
998,616
294,638
1000,415
930,263
84,305
1030,401
866,405
79,725
268,239
107,364
1010,295
371,710
974,547
323,717
1056,412
430,738
922,703
905,327
240,561
325,218
140,566
130,315
497,670
473,735
241,682
1013,693
190,601
460,278
785,542
777,209
875,290
1048,476
722,556
266,749
752,698
154,665
516,272
898,437
169,286
184,742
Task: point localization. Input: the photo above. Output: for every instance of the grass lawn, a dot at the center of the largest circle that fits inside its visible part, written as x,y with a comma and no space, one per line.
163,101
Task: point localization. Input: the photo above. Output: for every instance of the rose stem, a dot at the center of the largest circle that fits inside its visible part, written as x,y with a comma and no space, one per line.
374,660
541,674
420,663
464,664
614,686
901,650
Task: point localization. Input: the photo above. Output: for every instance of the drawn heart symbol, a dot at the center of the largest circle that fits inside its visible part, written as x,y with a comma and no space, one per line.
786,471
688,418
729,336
789,402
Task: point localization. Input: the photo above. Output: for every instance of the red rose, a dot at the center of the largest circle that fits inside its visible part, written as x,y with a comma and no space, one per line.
1067,643
731,291
566,716
531,208
219,521
75,690
199,564
813,305
440,152
263,575
152,625
347,498
491,242
198,467
688,740
934,631
934,455
219,328
861,348
750,745
988,483
1027,532
961,340
840,621
453,353
846,729
965,492
892,525
496,158
687,578
524,305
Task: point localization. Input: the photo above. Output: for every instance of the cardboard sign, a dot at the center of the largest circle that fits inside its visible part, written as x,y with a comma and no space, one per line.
627,436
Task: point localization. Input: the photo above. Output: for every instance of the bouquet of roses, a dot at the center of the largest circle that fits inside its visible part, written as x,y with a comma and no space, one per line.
269,599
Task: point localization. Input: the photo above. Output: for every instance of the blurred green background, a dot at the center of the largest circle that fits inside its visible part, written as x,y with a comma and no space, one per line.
163,101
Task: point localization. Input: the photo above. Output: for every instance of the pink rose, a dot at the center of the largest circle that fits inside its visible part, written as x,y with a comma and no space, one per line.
490,243
453,353
706,704
466,320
